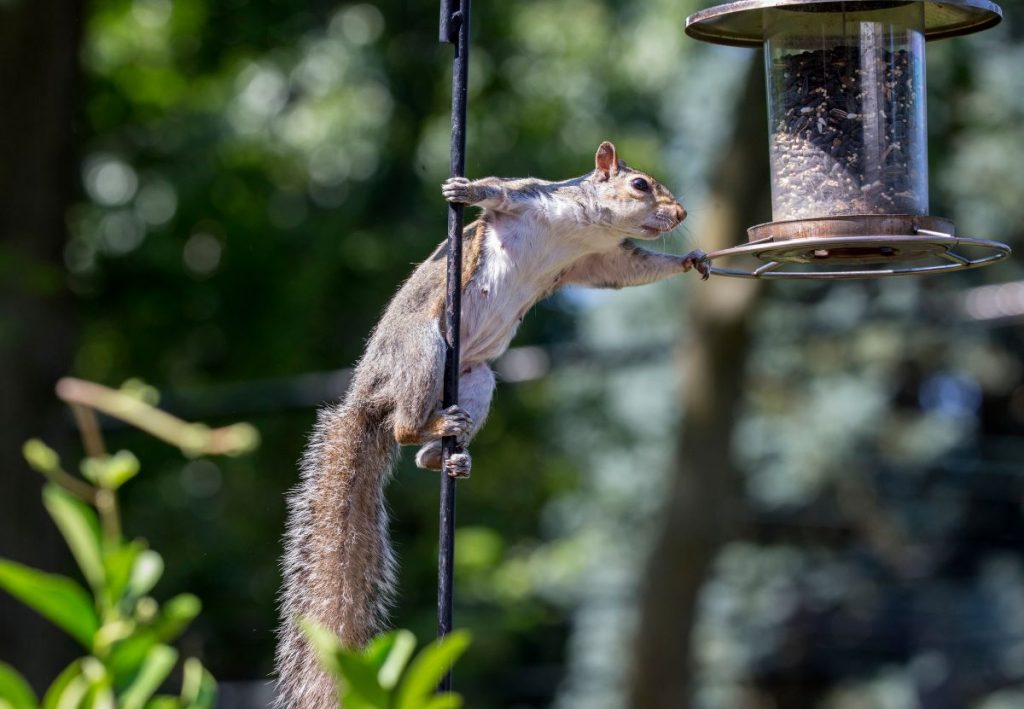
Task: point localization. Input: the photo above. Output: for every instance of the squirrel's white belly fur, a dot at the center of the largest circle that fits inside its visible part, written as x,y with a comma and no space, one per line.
518,267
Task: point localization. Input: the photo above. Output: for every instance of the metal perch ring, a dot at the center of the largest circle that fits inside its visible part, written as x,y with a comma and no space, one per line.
892,253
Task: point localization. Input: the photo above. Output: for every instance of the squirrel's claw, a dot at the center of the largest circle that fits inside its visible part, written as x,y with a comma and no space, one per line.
456,190
457,422
699,260
459,463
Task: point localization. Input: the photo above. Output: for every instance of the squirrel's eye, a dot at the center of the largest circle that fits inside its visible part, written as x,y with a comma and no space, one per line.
640,184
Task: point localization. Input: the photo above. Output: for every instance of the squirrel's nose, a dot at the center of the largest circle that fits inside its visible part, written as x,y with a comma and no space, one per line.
680,212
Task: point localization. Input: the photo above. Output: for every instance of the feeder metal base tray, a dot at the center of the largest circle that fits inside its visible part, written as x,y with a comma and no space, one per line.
842,249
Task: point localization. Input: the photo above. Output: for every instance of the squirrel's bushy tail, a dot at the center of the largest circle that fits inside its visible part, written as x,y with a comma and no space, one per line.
339,570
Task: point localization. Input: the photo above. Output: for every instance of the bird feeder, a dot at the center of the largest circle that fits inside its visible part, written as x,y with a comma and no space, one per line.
847,136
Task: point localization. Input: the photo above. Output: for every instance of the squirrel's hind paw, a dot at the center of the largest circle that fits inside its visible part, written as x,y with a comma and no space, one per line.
459,464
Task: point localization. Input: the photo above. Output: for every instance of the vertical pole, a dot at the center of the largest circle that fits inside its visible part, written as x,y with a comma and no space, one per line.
454,29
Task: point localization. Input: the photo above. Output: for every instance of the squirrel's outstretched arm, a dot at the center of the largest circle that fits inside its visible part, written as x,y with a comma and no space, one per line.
630,265
497,194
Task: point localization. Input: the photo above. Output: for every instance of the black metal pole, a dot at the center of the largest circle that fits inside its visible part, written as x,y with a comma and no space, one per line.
454,29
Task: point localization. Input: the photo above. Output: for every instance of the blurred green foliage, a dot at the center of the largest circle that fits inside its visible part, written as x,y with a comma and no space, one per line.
125,631
385,675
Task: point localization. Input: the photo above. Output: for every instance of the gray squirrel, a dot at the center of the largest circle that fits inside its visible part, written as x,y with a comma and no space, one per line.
532,237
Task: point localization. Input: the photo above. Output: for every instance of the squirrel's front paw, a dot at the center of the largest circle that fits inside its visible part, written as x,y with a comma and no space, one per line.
456,421
458,190
699,260
459,464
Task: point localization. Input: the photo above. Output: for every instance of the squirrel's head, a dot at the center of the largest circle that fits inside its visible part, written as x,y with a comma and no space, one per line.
639,204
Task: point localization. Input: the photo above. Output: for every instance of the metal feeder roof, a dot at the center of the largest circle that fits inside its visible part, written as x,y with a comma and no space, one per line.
741,23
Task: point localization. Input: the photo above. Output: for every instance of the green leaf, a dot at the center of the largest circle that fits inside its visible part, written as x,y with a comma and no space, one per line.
126,657
81,529
376,652
164,702
118,564
448,700
99,694
158,664
121,467
359,680
428,668
110,633
147,570
68,689
401,649
15,690
325,644
199,688
139,389
40,456
92,469
112,471
175,616
60,600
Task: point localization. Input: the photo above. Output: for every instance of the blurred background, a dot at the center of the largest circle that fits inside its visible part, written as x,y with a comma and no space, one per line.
716,494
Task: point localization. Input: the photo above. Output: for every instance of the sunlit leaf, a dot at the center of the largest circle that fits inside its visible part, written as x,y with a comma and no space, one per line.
118,563
40,456
175,615
429,667
111,632
148,568
68,689
359,680
92,469
112,471
448,700
60,600
15,690
81,530
139,389
325,644
126,657
376,652
198,689
400,649
122,467
99,694
155,668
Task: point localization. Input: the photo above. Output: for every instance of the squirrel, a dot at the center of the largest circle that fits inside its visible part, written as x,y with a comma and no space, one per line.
531,238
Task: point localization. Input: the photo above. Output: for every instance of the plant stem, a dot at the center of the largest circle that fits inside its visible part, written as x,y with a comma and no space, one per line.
192,439
89,426
82,490
106,504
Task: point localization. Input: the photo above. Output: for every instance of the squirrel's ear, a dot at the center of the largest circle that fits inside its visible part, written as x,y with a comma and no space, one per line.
606,161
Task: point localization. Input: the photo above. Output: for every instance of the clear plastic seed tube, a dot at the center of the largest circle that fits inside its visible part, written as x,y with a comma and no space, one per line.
847,113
